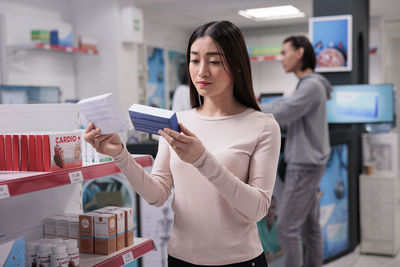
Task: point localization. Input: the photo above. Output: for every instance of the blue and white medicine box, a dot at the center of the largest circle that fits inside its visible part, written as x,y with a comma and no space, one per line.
12,253
150,119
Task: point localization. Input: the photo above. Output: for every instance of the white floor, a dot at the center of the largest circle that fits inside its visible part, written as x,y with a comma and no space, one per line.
355,259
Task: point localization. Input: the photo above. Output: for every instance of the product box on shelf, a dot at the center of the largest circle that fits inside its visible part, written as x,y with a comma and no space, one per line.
40,36
86,233
39,152
8,152
32,152
120,220
150,119
104,233
65,150
2,154
12,253
24,150
128,225
15,152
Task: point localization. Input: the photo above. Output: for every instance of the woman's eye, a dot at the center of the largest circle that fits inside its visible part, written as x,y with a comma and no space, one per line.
215,62
194,61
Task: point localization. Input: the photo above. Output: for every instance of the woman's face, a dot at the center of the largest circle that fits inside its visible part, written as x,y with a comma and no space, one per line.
291,57
207,69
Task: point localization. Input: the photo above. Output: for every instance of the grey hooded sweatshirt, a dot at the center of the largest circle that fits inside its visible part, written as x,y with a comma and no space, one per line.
303,116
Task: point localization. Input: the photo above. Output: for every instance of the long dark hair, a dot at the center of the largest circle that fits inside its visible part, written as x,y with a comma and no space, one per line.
308,60
230,41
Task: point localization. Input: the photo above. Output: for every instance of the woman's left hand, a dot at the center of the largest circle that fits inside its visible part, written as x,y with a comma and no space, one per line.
186,144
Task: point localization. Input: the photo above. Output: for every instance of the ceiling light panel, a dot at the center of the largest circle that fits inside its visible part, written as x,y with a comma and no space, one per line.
272,13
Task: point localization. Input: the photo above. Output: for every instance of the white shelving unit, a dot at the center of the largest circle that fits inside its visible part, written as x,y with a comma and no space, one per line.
27,198
380,213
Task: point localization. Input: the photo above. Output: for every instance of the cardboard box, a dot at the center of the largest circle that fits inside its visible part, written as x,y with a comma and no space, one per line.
128,225
120,220
104,233
86,233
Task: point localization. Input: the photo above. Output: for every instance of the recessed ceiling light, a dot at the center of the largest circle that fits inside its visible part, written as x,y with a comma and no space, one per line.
272,13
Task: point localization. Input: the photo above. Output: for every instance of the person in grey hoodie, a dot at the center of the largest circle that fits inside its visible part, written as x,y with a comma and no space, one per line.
307,149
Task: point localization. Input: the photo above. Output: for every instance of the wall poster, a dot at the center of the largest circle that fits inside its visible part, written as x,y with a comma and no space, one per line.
331,38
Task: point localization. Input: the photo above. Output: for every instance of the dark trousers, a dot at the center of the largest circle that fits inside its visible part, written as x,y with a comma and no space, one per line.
259,261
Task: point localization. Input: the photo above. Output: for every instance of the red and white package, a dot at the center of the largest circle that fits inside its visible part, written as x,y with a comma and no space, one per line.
23,139
15,152
65,150
2,154
8,150
46,153
32,152
39,153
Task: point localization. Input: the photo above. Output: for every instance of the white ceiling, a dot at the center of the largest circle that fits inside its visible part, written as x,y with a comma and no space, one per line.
189,14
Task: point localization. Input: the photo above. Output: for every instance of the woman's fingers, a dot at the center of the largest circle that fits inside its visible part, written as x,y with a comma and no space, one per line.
186,130
177,136
89,128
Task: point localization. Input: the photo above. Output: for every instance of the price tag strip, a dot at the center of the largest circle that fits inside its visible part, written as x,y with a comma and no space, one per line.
128,257
4,193
75,177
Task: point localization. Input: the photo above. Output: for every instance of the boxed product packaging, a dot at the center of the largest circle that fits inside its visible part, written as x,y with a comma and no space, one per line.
87,43
150,120
62,226
128,225
40,36
39,152
32,152
120,220
15,152
50,226
24,152
105,112
12,252
63,150
104,233
8,152
86,232
2,154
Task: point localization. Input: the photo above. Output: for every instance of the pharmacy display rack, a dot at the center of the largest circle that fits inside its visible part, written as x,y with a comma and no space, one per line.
27,198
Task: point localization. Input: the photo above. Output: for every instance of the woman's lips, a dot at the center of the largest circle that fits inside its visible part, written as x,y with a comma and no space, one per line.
203,84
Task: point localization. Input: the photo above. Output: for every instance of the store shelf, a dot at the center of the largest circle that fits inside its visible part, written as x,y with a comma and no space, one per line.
55,48
17,183
266,58
140,247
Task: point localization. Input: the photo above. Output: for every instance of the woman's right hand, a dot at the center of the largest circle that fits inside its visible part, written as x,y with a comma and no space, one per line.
108,144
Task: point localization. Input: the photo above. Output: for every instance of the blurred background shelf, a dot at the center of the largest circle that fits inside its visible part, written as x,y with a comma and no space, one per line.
55,48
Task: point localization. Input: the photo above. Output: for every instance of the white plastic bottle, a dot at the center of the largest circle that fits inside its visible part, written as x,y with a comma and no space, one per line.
73,252
30,253
43,254
59,256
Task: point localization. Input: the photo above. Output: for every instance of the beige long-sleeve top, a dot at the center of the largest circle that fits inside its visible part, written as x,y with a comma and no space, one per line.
220,197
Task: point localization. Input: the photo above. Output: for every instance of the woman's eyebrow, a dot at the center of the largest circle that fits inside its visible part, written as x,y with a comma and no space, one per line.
208,53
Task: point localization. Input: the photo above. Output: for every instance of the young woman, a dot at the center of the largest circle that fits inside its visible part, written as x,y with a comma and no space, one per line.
223,163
